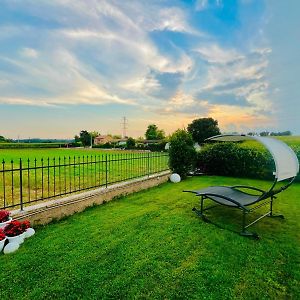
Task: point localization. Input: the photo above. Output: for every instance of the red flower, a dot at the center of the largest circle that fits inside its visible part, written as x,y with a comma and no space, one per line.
4,216
25,224
14,228
2,235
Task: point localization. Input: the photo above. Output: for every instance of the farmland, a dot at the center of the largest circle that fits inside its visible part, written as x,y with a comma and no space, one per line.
31,154
49,173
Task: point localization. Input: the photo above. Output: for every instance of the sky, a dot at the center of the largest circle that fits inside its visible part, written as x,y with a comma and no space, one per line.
71,65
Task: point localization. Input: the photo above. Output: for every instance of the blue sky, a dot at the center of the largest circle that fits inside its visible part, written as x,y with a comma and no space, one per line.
67,65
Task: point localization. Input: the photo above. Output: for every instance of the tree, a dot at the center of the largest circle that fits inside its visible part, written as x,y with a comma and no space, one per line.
77,138
85,138
153,133
94,134
182,154
203,128
130,143
264,133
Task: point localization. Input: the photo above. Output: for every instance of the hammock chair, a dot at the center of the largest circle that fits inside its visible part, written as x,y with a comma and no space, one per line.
241,196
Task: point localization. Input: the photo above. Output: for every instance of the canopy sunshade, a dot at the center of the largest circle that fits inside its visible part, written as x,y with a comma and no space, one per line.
238,196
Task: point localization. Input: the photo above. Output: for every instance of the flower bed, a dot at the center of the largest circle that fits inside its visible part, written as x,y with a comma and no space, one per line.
13,232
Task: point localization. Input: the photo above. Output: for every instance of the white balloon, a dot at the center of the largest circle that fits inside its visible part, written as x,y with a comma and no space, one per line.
29,232
175,178
11,247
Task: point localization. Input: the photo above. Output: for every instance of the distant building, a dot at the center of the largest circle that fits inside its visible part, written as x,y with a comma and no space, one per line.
102,139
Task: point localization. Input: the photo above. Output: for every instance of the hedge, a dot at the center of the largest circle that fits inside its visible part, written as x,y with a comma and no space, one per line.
230,159
30,145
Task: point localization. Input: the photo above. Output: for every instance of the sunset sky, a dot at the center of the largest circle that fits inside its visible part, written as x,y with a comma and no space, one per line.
67,65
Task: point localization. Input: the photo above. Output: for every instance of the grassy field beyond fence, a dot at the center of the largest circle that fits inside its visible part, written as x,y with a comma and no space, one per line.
24,181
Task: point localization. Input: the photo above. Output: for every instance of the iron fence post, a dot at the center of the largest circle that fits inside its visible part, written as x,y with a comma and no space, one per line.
148,164
106,170
21,185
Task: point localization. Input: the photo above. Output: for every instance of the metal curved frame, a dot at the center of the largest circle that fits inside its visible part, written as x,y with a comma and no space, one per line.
264,196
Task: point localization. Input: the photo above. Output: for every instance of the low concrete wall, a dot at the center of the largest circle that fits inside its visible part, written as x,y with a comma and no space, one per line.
45,212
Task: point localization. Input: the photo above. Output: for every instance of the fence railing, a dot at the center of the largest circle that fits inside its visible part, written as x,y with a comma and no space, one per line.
29,181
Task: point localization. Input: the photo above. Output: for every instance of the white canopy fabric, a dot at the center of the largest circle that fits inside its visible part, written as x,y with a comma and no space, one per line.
286,161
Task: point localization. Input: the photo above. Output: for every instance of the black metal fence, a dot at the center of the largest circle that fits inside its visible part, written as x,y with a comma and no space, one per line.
29,181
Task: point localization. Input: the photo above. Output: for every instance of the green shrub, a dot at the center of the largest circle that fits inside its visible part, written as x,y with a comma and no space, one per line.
230,159
31,145
157,147
182,153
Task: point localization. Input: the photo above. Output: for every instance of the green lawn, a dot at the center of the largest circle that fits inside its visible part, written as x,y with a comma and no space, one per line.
151,245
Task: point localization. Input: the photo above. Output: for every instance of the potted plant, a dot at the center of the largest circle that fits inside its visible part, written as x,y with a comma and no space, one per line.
26,227
4,218
2,239
14,231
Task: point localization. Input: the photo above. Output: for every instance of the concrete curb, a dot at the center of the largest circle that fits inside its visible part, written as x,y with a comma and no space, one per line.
45,212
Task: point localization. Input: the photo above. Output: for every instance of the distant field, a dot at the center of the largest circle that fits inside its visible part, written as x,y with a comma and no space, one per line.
292,141
16,154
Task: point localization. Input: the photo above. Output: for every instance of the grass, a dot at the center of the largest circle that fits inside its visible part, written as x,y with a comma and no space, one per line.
150,245
68,174
16,154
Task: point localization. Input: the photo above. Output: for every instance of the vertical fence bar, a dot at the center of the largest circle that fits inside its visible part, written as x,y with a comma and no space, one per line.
54,177
28,178
35,180
74,173
106,170
70,175
42,161
65,176
83,170
3,177
48,176
79,174
59,176
148,164
12,182
21,185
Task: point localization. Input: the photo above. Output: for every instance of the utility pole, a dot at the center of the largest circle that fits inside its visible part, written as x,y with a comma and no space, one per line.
124,127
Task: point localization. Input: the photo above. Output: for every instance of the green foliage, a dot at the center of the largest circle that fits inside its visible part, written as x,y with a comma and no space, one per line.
156,147
30,145
203,128
149,245
107,145
182,153
230,159
4,140
130,143
85,138
153,133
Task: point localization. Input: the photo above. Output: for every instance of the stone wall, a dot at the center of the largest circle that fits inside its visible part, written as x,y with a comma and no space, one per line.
45,212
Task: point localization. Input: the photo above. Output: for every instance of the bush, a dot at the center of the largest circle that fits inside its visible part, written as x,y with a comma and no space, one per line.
182,153
157,147
30,145
230,159
130,143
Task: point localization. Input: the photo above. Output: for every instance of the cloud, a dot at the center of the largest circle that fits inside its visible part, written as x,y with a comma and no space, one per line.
147,54
215,54
29,52
201,5
183,104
